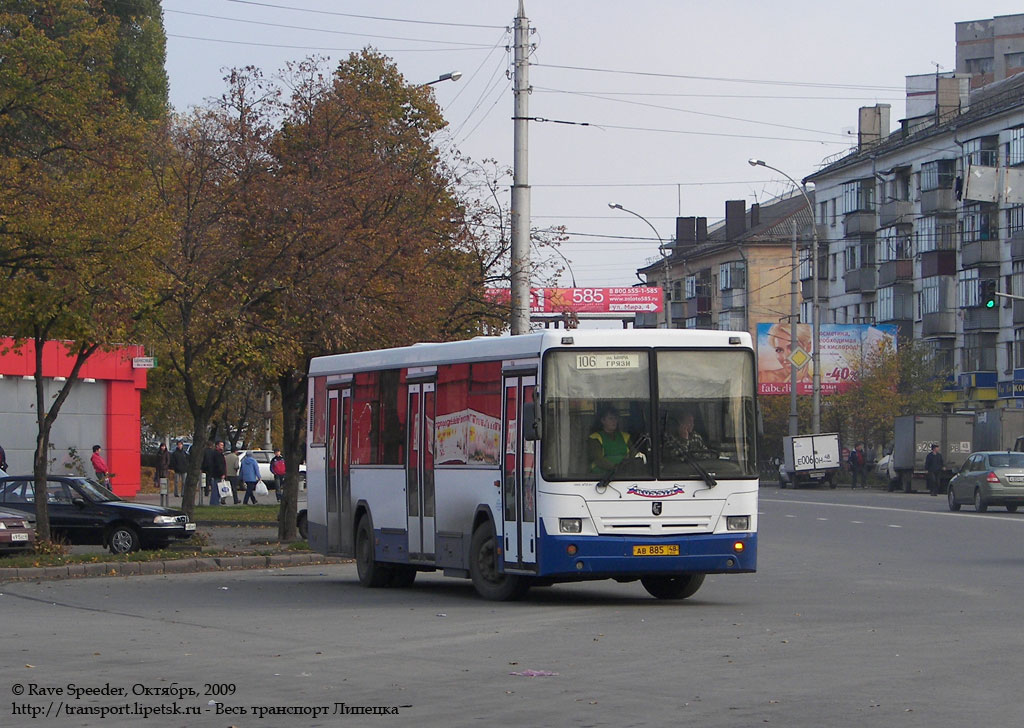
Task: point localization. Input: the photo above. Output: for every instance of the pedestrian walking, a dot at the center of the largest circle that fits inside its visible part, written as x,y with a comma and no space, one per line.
249,472
858,466
277,469
933,466
232,461
179,467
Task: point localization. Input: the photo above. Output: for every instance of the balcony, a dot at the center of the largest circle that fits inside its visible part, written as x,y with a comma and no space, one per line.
942,323
863,280
934,201
861,222
894,212
677,310
976,318
938,263
1017,246
734,298
807,289
891,271
980,252
698,306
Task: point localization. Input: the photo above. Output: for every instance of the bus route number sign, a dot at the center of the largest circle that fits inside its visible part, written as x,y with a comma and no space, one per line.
607,361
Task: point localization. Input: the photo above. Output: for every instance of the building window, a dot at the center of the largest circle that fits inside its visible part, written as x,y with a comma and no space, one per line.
1014,219
691,287
979,65
1018,348
935,233
978,353
1014,60
979,223
859,196
886,309
968,294
893,244
930,295
1015,147
938,175
832,210
981,152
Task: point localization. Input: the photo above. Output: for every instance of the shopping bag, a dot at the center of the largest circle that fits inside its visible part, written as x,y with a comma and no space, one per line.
224,488
261,488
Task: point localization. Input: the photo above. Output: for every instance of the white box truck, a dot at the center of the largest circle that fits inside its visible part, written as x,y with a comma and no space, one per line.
810,460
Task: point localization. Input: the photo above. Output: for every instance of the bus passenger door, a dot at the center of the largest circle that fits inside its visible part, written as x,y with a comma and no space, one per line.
340,537
519,487
419,470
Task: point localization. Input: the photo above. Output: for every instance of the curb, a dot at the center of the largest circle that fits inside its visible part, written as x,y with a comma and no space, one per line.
171,566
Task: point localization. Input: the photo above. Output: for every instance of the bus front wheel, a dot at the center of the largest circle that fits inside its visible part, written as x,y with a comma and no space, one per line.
672,587
483,568
371,573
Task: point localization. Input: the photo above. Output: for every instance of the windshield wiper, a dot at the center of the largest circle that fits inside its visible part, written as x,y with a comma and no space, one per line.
708,477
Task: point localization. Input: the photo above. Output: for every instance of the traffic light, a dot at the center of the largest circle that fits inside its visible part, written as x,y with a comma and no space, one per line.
988,293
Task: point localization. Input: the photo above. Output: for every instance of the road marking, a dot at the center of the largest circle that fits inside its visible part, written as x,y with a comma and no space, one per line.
968,514
822,519
893,525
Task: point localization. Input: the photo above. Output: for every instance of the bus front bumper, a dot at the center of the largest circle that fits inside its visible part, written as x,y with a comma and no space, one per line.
613,556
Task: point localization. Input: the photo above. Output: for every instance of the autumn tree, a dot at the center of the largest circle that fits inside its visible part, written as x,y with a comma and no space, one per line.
77,227
888,382
211,331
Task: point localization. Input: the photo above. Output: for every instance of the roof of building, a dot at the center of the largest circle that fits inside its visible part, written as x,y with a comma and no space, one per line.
774,226
994,98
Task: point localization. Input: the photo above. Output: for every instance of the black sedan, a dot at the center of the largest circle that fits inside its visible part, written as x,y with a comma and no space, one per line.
16,532
82,511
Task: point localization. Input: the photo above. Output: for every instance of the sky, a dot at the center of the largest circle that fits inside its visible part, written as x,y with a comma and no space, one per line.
666,99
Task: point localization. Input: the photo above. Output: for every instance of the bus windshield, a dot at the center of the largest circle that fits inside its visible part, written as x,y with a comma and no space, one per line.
643,414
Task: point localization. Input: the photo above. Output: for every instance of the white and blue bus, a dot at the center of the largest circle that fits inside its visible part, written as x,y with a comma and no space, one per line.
529,460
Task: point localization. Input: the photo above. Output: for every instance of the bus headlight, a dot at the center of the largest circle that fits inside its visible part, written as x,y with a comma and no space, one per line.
737,523
570,525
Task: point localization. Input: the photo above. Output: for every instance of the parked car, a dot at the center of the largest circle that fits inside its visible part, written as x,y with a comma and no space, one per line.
16,532
263,457
994,478
84,512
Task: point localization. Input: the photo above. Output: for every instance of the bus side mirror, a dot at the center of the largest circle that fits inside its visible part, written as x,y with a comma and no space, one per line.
531,424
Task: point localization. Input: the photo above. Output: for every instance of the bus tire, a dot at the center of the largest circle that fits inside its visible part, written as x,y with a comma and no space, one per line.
483,568
402,576
672,587
372,574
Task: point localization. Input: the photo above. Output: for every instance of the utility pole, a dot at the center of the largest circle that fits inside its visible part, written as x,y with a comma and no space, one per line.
520,264
794,423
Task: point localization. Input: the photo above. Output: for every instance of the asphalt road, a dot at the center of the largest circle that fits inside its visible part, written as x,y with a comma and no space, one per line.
868,609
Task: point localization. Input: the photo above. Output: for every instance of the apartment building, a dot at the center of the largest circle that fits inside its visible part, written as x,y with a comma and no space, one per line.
735,274
915,219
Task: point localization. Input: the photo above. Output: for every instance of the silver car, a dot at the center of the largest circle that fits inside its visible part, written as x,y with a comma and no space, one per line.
989,479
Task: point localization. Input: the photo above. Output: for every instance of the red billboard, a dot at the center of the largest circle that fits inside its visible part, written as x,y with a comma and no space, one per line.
588,300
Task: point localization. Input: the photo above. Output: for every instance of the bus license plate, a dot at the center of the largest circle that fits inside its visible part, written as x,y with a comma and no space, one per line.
671,549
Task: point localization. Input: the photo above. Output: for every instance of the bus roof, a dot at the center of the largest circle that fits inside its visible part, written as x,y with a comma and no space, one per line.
488,348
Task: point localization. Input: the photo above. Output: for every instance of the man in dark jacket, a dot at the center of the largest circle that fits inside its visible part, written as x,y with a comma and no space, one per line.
858,466
179,468
215,467
933,466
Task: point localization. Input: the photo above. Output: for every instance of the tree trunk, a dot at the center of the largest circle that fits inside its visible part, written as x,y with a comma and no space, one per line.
195,464
293,407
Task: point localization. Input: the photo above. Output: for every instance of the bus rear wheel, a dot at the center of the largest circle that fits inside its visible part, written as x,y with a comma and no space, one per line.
672,587
371,573
483,569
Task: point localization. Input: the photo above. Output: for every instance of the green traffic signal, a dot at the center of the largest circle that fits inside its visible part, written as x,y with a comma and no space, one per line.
988,293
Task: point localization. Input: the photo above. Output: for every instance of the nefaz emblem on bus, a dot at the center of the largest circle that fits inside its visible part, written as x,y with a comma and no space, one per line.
656,508
663,493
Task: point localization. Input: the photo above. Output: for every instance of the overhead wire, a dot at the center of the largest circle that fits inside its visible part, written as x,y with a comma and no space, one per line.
364,17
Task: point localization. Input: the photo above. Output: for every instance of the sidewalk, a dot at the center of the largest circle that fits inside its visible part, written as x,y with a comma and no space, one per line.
249,546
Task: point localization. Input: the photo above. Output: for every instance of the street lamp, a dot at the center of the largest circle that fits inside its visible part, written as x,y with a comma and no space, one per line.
450,76
664,259
815,307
